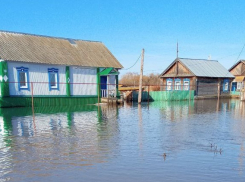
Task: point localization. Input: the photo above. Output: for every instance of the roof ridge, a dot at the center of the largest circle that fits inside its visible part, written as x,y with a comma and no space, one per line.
46,36
234,65
200,59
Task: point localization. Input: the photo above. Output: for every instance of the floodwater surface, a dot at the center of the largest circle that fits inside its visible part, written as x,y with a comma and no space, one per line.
164,141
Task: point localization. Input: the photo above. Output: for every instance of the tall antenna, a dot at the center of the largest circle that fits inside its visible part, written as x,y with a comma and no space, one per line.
177,49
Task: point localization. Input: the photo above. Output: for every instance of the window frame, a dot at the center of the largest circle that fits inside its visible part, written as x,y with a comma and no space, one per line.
52,71
169,86
225,83
26,71
239,85
188,86
177,86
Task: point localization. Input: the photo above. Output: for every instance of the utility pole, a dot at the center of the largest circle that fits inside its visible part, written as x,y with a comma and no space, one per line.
141,77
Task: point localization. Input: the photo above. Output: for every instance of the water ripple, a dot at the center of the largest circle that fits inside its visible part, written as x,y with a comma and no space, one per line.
174,141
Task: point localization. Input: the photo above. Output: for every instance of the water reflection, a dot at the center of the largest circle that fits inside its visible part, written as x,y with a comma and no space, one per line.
148,142
76,137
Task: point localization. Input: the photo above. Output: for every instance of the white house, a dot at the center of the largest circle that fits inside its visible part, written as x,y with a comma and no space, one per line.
55,71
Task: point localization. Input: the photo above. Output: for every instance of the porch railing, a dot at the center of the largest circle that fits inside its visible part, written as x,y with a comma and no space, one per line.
108,93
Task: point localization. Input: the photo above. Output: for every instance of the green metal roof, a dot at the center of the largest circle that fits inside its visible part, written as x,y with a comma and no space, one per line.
109,71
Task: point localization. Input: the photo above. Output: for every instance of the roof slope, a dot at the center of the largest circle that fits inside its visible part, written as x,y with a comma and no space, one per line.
204,68
240,61
52,50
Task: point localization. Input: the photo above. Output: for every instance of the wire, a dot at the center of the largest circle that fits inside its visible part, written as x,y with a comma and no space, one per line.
240,53
152,70
228,56
133,64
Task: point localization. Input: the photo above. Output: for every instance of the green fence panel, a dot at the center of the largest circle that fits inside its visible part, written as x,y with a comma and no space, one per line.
165,95
235,93
46,101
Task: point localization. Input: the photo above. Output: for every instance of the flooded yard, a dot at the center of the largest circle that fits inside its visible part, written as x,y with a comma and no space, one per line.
200,140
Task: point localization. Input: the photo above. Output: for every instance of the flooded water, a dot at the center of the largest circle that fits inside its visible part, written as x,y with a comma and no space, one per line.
163,141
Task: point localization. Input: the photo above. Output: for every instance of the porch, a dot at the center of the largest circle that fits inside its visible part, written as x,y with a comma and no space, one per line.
109,86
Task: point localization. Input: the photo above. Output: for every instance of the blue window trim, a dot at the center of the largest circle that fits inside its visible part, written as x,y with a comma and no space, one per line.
53,70
186,79
177,80
25,70
224,82
169,79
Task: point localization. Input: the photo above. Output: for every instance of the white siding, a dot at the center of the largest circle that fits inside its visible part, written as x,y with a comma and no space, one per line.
83,81
37,73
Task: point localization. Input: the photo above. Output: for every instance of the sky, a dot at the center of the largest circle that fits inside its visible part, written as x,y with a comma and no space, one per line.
202,28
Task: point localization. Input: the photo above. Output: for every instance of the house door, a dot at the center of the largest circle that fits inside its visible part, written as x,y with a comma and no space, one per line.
234,86
103,86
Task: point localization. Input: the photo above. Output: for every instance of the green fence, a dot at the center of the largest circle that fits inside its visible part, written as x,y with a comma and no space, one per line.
165,95
46,101
235,93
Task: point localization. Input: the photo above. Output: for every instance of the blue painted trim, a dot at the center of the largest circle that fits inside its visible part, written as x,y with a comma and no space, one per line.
53,70
169,79
177,80
186,79
25,70
224,82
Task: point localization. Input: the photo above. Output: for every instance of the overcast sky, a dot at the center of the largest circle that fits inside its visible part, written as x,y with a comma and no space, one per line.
203,28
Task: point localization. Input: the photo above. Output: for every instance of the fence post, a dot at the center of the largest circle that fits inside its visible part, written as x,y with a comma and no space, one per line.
98,92
32,99
189,94
231,88
218,89
148,94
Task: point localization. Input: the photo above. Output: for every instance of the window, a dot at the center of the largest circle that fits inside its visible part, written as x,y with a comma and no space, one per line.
186,85
23,78
169,84
226,85
239,84
53,78
177,84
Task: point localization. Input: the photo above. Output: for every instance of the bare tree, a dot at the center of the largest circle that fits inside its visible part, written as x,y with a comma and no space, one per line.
132,79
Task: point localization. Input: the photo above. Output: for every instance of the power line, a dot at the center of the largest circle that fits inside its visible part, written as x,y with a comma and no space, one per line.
228,56
133,64
240,53
153,70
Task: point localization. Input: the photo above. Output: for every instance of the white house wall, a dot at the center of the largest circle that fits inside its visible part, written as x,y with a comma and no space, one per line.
37,73
87,77
83,80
